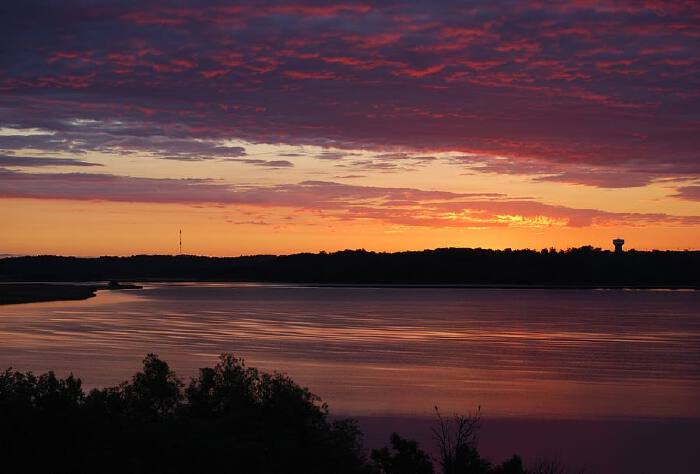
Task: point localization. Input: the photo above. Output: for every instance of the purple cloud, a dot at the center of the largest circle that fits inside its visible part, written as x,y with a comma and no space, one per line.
606,87
689,193
34,161
274,164
404,206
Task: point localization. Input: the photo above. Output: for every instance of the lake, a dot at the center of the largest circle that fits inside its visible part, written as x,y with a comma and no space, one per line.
589,362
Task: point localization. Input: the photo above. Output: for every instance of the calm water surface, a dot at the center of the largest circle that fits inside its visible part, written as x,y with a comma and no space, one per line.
575,354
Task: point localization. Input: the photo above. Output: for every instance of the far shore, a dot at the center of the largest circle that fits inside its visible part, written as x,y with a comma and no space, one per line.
17,293
41,292
578,268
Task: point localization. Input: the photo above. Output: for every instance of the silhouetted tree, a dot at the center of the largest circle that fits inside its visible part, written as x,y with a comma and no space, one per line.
155,392
513,465
404,457
229,419
227,387
457,440
584,266
545,465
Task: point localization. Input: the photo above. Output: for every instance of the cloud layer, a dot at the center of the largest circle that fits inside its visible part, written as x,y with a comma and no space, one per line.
400,206
597,93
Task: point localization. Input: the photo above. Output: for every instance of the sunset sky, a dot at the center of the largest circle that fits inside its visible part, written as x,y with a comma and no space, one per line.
278,127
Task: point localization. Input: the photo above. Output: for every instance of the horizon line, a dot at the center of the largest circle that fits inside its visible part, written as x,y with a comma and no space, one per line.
331,252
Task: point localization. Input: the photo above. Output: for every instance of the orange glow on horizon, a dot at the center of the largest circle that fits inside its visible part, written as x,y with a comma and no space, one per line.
90,228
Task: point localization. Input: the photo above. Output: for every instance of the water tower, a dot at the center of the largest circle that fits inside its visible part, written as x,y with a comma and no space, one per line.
618,243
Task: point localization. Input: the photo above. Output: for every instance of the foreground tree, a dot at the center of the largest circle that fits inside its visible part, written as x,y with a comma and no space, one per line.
457,439
404,457
229,419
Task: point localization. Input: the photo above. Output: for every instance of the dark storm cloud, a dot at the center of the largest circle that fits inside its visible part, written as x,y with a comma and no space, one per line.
608,87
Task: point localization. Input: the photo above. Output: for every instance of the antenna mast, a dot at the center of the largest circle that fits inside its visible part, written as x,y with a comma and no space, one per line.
180,242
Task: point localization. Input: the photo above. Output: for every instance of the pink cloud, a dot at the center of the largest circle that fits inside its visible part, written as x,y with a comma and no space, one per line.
319,75
587,88
403,206
420,72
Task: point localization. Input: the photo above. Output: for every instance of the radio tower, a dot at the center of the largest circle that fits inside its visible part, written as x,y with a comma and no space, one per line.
180,242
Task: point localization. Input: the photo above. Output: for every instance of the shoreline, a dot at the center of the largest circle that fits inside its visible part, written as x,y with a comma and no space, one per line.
29,292
44,292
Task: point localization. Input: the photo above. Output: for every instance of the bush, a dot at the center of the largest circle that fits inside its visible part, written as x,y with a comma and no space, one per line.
229,419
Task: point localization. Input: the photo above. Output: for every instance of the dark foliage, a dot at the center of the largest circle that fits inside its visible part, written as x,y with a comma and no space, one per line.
229,419
404,457
585,266
457,440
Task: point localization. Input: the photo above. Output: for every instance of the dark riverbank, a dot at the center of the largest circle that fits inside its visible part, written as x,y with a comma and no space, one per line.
16,293
584,267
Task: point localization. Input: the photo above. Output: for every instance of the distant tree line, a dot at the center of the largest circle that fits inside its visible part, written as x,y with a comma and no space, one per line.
584,266
229,419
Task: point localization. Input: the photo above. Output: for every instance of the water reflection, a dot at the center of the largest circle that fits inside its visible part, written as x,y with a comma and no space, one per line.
575,354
